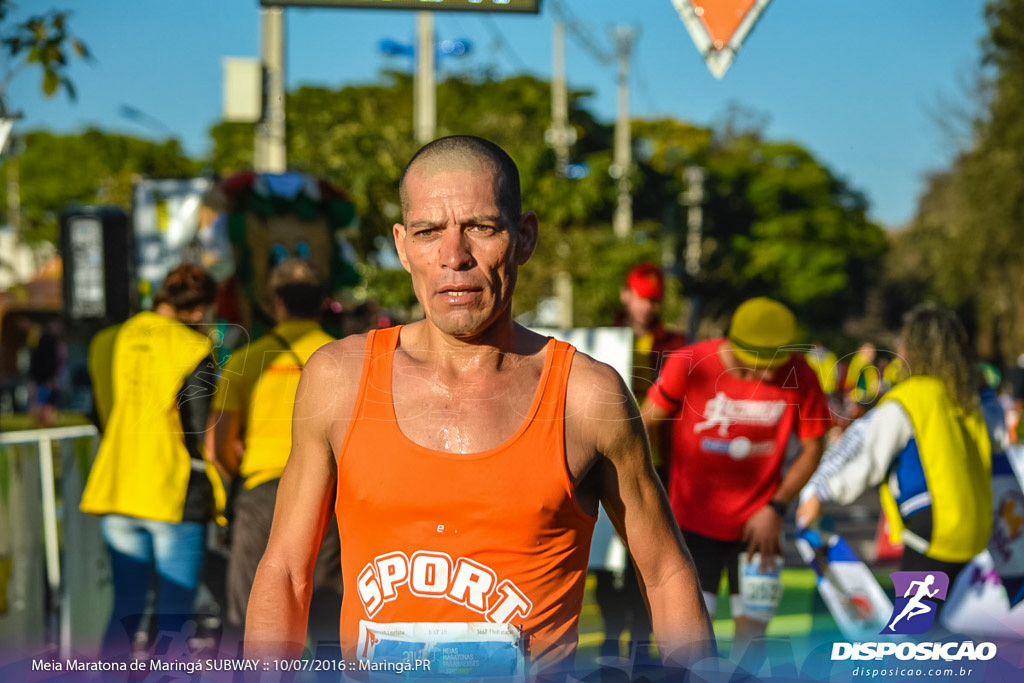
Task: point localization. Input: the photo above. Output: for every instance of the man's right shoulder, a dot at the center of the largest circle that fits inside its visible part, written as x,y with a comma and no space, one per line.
345,347
341,359
331,379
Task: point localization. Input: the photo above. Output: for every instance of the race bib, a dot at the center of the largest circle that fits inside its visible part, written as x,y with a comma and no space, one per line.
441,650
760,592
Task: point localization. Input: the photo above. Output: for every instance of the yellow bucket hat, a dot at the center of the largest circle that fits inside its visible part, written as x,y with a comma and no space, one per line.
759,329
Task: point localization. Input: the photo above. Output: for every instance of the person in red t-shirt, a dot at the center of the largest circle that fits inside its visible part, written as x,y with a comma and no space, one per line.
736,402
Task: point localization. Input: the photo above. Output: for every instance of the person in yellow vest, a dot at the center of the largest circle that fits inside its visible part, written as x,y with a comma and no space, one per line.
927,445
150,481
250,428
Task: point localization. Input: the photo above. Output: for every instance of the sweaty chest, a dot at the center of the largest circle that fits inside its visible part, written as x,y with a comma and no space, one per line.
456,467
464,417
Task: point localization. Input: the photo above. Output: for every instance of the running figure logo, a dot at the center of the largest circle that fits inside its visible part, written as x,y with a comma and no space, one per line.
914,612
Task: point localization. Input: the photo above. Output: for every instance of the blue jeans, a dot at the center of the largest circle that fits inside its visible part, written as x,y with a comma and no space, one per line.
138,548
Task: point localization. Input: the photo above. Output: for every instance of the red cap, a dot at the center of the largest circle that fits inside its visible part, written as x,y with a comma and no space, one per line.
646,280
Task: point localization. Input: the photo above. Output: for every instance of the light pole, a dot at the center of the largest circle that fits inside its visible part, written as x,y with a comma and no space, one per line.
693,199
622,222
269,149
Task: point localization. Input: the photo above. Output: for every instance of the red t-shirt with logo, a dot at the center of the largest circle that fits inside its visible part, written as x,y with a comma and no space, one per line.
730,435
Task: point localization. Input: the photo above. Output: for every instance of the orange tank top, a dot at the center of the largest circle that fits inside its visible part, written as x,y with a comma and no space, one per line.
496,537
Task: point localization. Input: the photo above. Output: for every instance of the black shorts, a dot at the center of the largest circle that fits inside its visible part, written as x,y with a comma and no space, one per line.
711,556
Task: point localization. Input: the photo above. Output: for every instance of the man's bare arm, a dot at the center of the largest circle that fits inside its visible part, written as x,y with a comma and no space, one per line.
638,507
279,603
763,529
801,469
653,417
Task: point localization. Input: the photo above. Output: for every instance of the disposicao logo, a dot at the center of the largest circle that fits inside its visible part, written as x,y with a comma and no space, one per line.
917,600
917,596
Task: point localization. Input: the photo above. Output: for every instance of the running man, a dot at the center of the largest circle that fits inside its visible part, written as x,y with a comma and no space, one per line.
735,403
468,456
915,607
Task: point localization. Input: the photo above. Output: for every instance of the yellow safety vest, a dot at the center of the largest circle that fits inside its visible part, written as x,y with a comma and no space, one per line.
142,467
956,458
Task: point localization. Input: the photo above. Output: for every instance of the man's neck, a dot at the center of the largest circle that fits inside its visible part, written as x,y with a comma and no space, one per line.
641,330
166,310
496,350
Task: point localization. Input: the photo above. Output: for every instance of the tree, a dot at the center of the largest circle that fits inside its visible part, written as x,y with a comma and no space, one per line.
89,168
43,40
968,221
776,221
360,137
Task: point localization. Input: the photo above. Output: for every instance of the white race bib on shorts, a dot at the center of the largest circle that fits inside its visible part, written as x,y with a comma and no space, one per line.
760,592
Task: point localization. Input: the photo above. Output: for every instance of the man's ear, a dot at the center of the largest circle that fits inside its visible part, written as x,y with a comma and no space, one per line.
526,237
398,231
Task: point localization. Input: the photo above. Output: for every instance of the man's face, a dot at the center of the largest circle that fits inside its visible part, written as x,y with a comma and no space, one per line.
641,311
462,254
752,373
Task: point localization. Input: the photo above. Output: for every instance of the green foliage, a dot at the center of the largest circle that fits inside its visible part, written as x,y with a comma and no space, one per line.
776,220
233,147
41,41
360,138
811,237
390,288
967,227
355,138
90,168
598,262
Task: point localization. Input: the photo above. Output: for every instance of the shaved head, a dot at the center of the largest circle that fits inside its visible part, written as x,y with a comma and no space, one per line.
469,153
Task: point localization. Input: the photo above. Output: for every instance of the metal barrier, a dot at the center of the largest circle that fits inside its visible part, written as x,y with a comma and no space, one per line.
61,603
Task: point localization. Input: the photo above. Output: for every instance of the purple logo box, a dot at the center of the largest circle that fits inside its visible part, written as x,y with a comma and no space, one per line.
917,596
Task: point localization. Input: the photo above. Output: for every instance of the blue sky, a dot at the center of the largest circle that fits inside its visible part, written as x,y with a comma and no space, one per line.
859,83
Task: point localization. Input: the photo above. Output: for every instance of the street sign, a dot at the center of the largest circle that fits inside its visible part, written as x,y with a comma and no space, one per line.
719,27
522,6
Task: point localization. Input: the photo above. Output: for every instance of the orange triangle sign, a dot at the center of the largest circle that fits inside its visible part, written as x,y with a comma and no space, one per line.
718,27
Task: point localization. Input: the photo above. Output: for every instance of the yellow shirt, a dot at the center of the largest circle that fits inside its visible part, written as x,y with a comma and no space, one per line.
259,381
142,467
955,456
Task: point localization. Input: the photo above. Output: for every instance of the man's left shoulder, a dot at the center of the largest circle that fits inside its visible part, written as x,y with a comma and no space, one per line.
595,389
587,371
